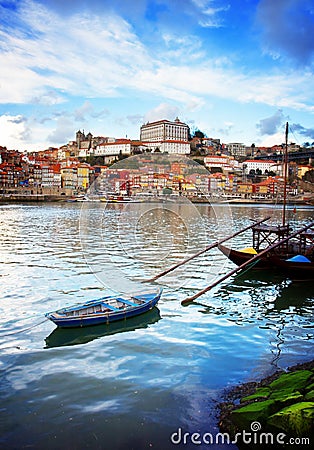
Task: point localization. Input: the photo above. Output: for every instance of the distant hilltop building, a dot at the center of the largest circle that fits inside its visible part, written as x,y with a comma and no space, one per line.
236,149
166,136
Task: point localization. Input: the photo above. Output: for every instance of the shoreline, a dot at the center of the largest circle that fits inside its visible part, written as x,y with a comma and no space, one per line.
45,198
238,397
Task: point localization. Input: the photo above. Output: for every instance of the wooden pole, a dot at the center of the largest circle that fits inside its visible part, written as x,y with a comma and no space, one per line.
245,264
214,244
285,176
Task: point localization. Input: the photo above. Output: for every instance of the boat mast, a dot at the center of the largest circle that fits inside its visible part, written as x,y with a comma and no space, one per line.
285,176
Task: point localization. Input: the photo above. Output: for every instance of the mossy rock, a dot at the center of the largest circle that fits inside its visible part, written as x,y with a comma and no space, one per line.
257,411
309,396
295,420
310,387
285,397
293,381
260,394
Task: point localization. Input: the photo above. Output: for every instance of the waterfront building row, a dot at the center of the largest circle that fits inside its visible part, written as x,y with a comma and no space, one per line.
20,170
127,182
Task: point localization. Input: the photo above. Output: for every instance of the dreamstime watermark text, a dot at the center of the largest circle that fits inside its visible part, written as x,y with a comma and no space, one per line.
255,436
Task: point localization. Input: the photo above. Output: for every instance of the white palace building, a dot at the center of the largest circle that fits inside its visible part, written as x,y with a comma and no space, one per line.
167,137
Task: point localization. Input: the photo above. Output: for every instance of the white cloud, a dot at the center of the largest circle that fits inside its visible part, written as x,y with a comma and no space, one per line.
162,111
12,131
50,58
79,55
270,125
17,132
182,46
63,131
269,141
86,109
209,14
97,56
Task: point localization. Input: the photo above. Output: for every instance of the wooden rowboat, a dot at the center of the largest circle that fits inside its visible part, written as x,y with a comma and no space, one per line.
60,337
104,310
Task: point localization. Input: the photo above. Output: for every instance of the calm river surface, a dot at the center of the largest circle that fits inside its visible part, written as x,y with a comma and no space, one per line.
134,384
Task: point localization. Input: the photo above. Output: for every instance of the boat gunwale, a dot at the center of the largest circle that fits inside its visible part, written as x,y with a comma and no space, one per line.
99,317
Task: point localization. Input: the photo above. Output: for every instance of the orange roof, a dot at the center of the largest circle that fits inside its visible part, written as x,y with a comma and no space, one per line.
269,161
268,181
176,141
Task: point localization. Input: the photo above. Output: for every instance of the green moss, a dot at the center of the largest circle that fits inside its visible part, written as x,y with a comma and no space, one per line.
297,419
293,381
258,411
309,396
285,398
260,393
287,403
309,387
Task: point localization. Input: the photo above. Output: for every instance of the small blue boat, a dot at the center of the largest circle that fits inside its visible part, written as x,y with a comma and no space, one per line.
104,310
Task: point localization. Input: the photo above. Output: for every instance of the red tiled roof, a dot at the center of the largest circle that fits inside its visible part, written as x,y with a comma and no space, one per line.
269,161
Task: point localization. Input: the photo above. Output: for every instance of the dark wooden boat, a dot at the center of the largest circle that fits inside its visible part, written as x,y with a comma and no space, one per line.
239,257
104,310
298,266
264,236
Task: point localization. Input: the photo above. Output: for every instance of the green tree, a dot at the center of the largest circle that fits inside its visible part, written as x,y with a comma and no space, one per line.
199,161
199,134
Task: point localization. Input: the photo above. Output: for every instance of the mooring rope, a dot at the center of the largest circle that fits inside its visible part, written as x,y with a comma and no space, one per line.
249,267
24,329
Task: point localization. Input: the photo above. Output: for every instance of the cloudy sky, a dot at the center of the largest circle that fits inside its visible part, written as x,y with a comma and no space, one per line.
235,69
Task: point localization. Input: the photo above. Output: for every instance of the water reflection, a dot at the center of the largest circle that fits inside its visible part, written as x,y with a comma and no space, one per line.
61,337
258,297
155,377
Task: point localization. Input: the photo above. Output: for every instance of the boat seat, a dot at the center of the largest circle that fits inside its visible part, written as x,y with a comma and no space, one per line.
106,305
127,302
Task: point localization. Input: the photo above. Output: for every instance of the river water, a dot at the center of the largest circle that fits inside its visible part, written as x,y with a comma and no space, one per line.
137,383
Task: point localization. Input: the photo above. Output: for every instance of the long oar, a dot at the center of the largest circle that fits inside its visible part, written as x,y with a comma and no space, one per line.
214,244
245,264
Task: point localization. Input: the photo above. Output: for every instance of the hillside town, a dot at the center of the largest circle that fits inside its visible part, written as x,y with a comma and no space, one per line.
233,170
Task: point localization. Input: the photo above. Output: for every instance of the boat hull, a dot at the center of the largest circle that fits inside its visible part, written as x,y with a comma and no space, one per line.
291,269
294,270
82,315
239,258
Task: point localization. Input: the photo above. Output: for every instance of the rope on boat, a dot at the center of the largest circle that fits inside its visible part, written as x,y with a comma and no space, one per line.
24,329
250,266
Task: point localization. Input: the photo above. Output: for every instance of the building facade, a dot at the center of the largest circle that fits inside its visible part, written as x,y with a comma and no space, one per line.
263,165
164,130
236,149
167,136
225,162
118,147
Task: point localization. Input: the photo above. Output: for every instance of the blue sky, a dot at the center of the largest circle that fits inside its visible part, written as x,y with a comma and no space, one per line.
235,69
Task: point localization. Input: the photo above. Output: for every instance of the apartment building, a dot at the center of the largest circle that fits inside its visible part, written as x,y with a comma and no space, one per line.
115,148
236,149
225,162
262,165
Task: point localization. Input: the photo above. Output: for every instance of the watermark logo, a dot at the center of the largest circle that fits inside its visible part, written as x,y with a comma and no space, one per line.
255,436
256,426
